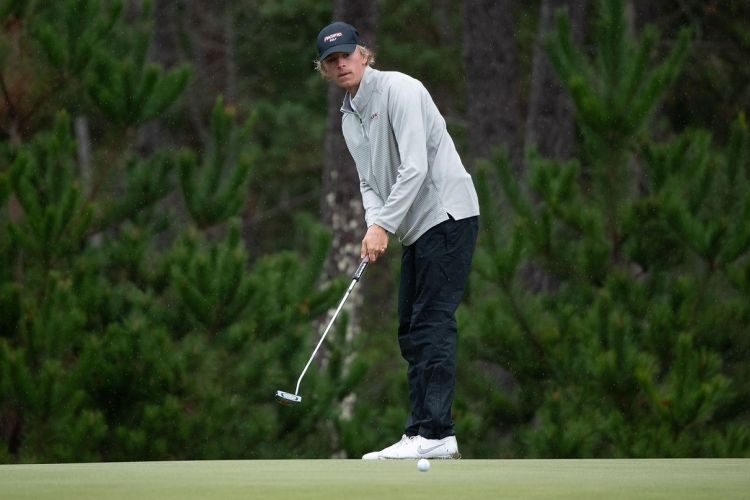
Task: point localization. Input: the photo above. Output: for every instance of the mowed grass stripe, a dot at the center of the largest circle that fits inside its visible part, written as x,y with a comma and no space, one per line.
349,479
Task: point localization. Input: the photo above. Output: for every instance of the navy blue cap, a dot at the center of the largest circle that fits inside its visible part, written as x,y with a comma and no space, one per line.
337,37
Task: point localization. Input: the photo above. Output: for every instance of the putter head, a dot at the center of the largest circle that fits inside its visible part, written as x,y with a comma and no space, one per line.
287,398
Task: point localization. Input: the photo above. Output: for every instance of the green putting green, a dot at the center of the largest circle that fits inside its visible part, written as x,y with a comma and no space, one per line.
355,479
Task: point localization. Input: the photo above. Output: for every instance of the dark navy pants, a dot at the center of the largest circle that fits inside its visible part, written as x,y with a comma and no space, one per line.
434,271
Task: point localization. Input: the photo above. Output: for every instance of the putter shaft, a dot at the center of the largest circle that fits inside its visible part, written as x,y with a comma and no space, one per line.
355,279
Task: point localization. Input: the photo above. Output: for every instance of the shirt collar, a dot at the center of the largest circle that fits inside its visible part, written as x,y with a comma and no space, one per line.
364,92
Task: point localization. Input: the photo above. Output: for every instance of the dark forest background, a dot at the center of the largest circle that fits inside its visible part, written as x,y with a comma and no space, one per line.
179,214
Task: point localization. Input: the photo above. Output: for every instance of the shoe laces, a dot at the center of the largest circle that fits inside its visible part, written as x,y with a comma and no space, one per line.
405,440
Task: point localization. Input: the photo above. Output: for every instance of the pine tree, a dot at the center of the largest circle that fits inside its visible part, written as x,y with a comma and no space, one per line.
126,332
216,190
636,351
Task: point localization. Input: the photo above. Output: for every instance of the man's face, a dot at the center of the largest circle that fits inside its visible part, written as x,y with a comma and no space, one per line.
345,70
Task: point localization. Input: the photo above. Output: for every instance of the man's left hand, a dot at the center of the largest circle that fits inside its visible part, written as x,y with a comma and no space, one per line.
375,243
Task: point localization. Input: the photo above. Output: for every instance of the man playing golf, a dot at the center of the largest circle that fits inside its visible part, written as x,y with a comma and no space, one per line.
415,187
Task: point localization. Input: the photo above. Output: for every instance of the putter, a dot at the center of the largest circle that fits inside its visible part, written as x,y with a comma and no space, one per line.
288,398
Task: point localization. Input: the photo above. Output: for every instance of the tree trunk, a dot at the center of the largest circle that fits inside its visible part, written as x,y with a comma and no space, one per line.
550,124
163,51
341,203
644,13
492,79
209,31
83,152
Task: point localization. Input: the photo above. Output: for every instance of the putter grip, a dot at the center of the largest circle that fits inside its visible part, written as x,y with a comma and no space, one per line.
360,269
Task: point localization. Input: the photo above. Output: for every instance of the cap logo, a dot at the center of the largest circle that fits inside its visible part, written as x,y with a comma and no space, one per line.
332,37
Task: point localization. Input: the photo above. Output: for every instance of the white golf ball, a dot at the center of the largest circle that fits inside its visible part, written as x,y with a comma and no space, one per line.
423,465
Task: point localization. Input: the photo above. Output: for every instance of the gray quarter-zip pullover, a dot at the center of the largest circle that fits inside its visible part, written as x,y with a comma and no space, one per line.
411,176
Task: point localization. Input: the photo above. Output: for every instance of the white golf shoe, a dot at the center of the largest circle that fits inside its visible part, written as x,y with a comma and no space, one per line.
438,448
416,447
405,448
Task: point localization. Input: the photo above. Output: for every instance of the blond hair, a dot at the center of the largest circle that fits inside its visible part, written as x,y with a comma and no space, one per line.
368,54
